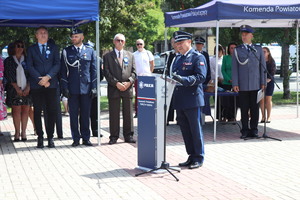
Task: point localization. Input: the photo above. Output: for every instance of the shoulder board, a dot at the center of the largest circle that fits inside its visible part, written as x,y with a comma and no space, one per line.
240,46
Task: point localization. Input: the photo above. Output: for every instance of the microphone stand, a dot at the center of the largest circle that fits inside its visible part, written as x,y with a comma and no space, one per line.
164,165
264,136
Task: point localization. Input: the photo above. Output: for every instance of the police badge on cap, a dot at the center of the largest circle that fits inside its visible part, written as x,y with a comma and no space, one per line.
246,28
76,31
199,40
181,35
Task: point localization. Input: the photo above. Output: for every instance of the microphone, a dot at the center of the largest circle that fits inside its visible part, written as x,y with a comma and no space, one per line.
167,52
251,48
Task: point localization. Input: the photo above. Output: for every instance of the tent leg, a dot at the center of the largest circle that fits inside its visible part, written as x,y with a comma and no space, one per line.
98,80
297,64
216,81
166,39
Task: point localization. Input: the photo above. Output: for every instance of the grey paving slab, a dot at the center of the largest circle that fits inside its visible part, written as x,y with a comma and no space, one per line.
233,168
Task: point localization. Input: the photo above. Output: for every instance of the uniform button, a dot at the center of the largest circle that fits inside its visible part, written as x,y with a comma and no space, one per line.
80,75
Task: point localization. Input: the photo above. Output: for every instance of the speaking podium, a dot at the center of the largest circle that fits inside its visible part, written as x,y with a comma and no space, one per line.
151,100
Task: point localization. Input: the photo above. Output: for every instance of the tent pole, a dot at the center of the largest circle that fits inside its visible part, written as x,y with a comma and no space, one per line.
216,80
297,64
166,39
98,81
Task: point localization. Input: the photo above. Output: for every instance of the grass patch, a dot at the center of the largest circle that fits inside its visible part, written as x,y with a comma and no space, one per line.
276,99
104,103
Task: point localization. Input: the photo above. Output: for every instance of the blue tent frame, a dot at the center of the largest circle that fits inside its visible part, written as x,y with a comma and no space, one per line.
53,13
234,13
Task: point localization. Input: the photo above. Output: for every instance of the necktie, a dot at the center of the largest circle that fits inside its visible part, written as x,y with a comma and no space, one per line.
43,51
248,48
78,50
120,59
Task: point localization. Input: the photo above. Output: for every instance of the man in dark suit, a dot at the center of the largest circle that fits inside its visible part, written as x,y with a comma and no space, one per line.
189,69
43,66
248,66
199,42
79,85
170,61
119,71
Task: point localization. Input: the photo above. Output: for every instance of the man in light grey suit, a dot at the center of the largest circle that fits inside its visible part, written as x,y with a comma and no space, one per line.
119,71
248,77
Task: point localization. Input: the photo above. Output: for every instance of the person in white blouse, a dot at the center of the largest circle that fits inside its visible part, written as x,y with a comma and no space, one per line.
213,61
213,70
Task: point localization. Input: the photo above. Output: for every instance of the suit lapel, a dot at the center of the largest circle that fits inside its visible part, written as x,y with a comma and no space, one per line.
116,58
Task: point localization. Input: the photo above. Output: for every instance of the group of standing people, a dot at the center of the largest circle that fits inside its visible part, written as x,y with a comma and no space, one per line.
42,70
34,79
246,69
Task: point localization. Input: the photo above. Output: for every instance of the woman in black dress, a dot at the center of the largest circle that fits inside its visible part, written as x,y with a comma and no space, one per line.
271,67
17,88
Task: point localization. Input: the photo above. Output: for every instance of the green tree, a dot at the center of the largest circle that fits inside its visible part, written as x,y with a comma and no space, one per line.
135,19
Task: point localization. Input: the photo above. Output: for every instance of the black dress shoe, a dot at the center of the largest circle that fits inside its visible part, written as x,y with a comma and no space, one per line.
186,163
112,141
195,165
75,144
95,134
60,137
40,143
130,140
252,135
51,143
243,136
87,143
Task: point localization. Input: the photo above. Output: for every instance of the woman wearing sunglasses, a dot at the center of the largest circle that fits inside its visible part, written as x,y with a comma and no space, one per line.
17,87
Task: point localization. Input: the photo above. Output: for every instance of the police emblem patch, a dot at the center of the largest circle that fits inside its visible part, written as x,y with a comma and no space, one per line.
141,84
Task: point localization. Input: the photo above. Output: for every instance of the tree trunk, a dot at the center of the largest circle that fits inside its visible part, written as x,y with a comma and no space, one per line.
285,67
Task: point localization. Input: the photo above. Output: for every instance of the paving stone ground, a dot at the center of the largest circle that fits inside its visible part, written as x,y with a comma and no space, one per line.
233,169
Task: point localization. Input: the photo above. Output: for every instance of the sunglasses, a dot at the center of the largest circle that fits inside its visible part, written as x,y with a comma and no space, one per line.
119,40
20,46
139,44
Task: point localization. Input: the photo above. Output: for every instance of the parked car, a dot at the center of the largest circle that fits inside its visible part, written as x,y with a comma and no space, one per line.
4,53
159,63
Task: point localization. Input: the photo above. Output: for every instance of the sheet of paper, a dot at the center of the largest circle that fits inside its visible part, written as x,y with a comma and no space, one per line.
260,95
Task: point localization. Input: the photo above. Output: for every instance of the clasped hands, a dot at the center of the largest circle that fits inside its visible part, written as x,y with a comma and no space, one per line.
44,81
24,92
123,86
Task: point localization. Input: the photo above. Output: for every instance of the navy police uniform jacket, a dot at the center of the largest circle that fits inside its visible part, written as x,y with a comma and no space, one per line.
78,70
192,68
246,70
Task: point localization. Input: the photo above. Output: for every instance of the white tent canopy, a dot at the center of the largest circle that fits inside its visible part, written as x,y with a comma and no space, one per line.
234,13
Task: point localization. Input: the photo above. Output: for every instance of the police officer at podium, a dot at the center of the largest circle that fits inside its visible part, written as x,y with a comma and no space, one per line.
189,70
79,85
